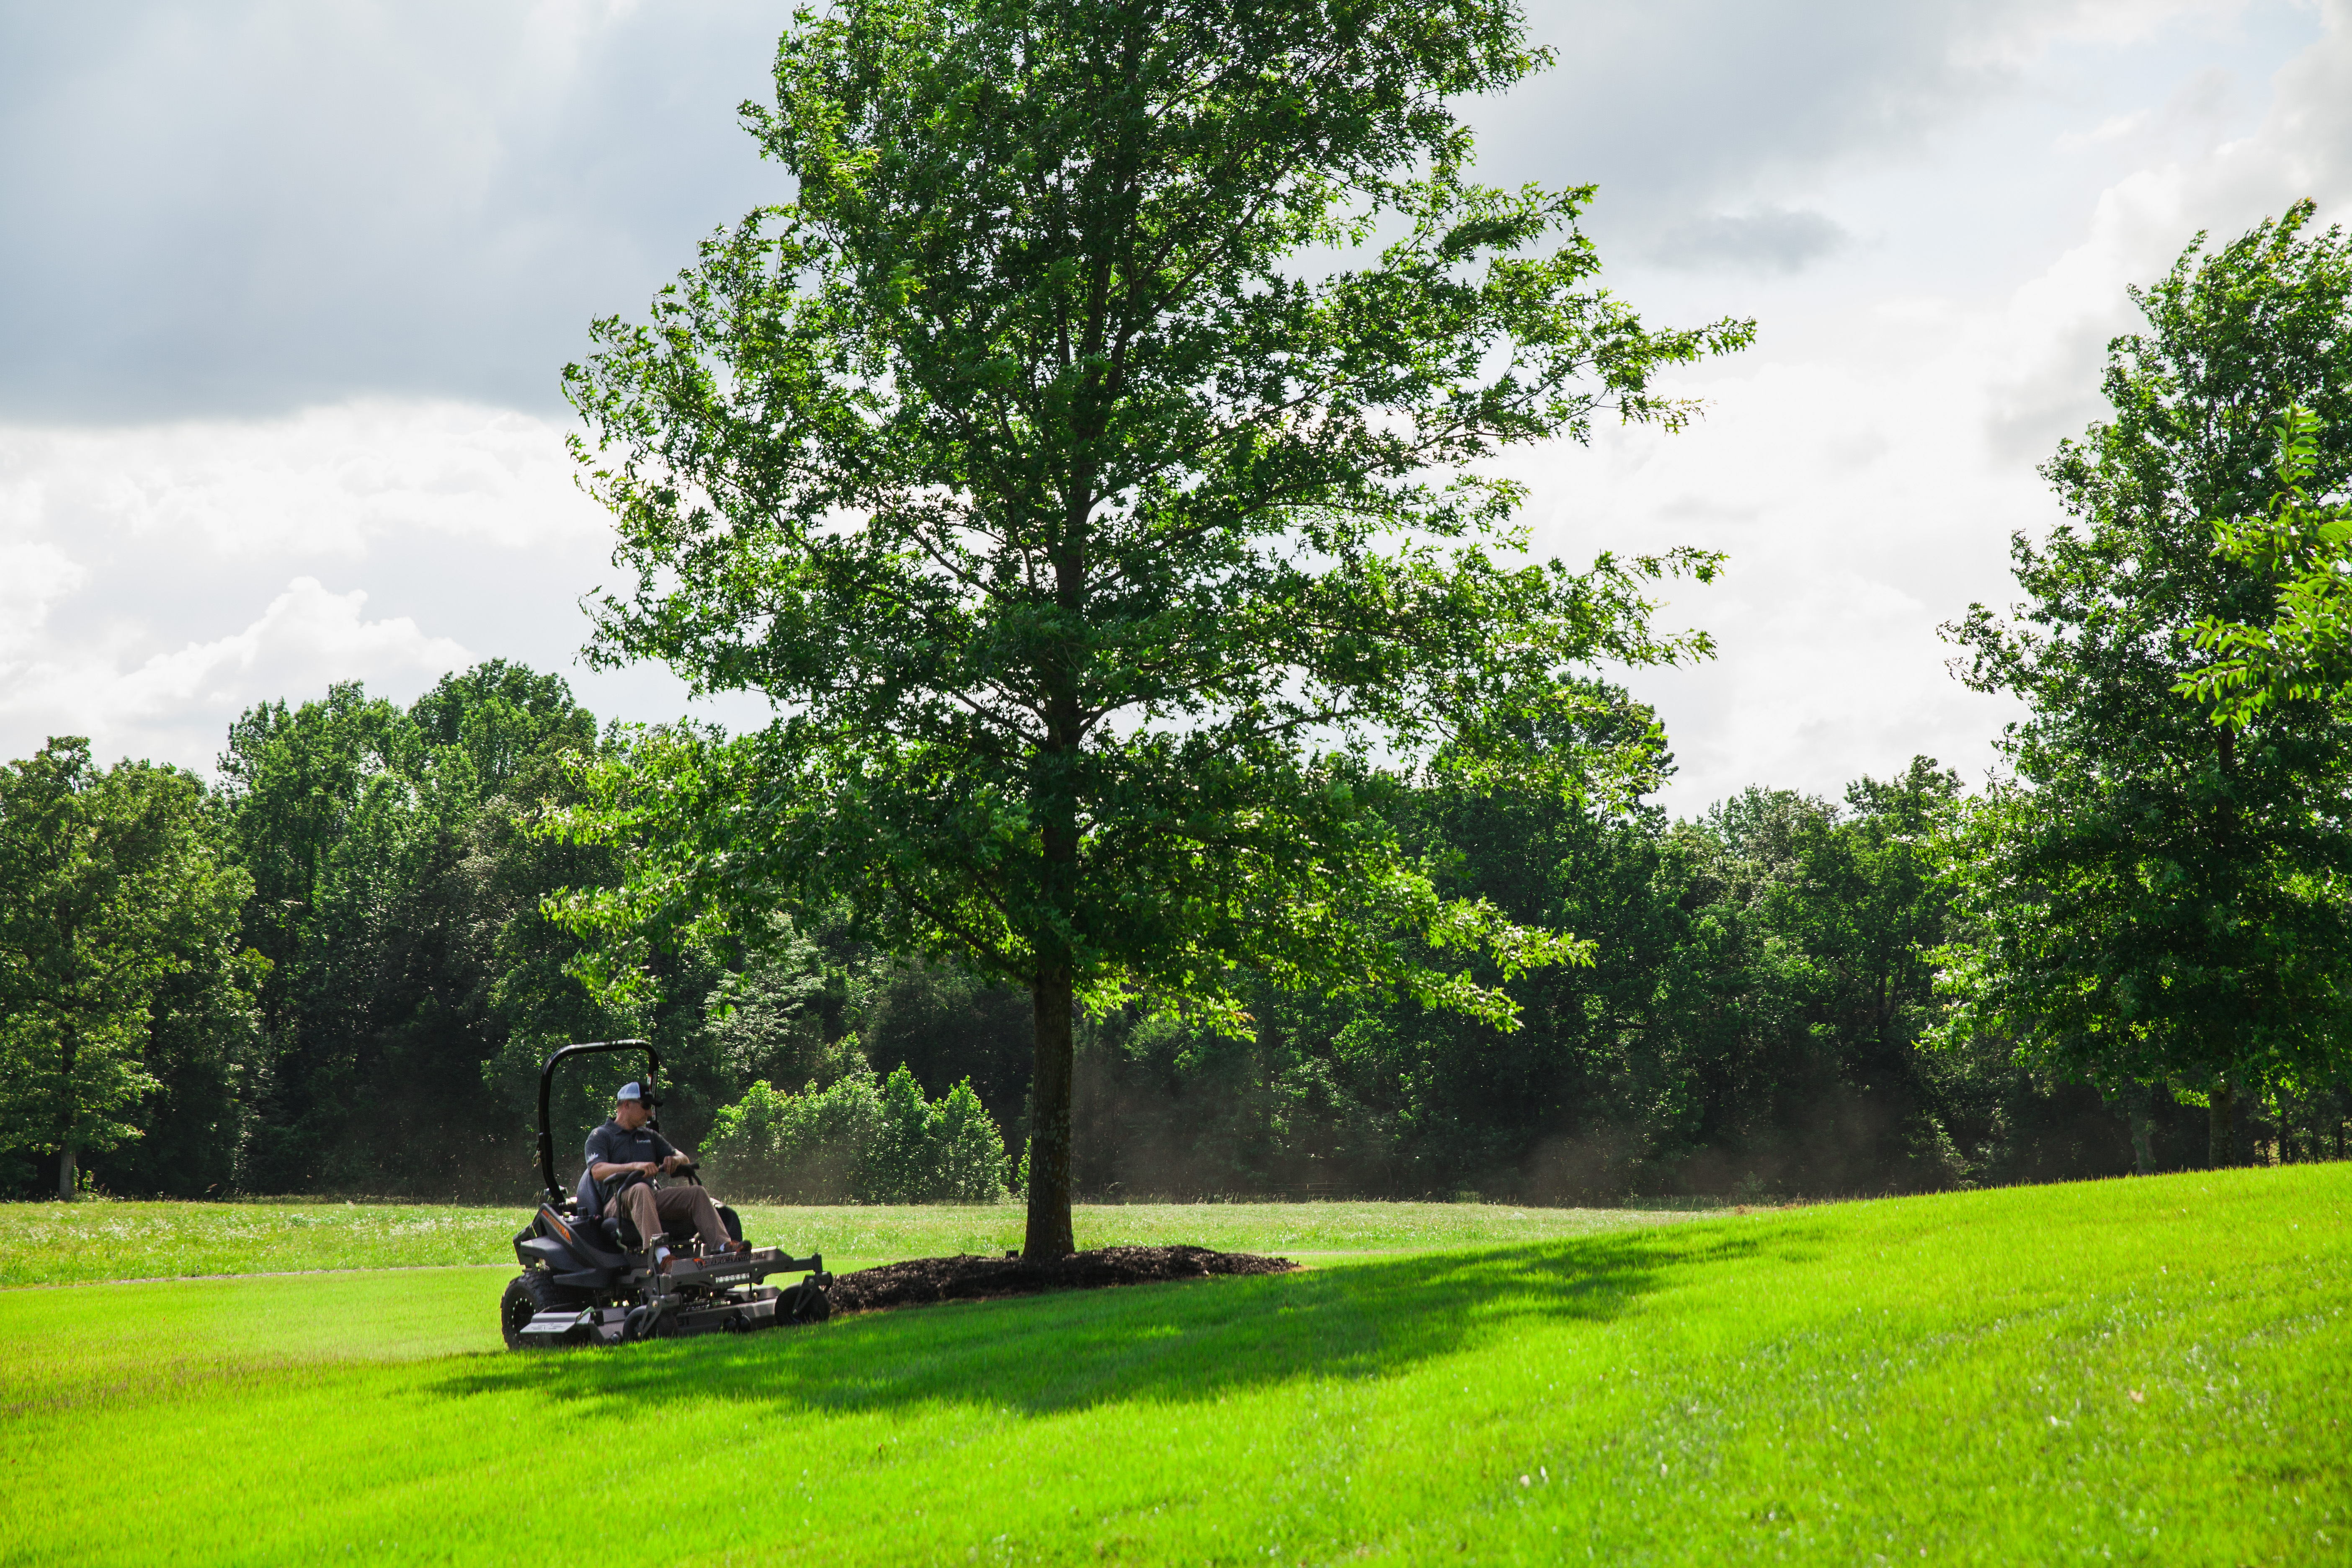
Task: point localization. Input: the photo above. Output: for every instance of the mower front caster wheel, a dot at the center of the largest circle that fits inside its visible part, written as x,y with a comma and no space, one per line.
528,1295
802,1303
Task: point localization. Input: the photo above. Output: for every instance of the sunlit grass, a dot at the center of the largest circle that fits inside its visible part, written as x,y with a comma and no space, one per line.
49,1243
2142,1371
52,1243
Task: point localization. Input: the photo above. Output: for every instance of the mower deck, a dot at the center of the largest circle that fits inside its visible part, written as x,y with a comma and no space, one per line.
696,1295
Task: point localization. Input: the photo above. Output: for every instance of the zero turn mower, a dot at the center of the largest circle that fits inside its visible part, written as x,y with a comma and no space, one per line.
589,1281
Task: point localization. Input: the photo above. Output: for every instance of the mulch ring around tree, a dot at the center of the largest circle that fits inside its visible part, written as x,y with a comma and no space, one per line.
920,1281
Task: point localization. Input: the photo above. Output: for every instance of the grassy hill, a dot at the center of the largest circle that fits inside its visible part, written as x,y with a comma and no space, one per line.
2147,1371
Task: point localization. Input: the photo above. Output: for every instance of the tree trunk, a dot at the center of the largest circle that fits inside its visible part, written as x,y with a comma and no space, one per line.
2242,1126
1052,994
1050,1235
67,1172
2221,1109
2140,1119
1054,799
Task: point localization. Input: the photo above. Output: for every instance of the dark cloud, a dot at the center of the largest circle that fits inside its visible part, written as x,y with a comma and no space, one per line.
220,208
242,206
1677,108
1772,239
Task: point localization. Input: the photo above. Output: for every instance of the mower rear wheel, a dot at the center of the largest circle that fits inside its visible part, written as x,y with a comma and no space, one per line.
528,1295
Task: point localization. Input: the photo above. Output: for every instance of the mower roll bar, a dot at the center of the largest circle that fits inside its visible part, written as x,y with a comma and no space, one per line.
547,1080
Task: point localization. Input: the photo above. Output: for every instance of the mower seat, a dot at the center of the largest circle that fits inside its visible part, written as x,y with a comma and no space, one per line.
620,1232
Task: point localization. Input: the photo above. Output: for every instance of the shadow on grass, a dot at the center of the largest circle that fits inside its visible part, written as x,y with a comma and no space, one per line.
1182,1341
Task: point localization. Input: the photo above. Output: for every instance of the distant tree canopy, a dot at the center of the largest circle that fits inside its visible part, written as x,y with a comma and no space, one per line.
396,896
2156,897
117,911
1095,543
1753,1020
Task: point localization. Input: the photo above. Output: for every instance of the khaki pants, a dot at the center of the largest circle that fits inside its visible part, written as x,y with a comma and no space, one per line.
672,1211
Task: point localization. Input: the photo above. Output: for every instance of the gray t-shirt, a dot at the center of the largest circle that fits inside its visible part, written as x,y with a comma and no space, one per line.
614,1145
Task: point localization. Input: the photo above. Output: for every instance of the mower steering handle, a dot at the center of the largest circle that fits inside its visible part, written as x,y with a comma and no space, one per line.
631,1176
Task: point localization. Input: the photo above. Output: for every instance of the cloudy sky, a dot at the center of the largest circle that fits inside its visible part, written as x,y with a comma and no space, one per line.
287,285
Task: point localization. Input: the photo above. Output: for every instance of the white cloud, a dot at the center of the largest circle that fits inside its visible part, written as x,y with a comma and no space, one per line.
323,482
2114,128
31,578
1769,239
305,634
1865,478
1859,510
156,579
133,560
251,205
247,205
306,639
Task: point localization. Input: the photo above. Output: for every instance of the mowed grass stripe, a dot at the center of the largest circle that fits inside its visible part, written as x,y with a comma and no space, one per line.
138,1339
1950,1375
57,1244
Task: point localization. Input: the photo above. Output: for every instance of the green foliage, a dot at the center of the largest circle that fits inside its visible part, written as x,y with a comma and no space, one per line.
784,1015
1091,546
1174,513
2151,896
2304,651
1750,1022
118,920
969,1156
1753,1022
416,983
946,1025
861,1140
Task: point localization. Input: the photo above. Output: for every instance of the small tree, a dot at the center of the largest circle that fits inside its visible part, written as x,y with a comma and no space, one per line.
860,1140
2153,895
968,1152
110,882
1095,549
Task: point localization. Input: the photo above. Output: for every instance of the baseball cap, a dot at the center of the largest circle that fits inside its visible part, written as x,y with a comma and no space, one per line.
629,1092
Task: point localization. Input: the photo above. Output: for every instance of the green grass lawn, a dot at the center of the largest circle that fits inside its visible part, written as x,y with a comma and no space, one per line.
57,1244
2146,1372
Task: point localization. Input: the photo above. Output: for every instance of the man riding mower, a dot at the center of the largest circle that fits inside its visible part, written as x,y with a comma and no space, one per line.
623,1157
617,1258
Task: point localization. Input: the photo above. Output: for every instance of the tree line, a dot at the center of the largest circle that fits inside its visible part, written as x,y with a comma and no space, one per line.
336,968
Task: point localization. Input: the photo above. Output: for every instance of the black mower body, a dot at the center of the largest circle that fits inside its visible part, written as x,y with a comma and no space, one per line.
587,1280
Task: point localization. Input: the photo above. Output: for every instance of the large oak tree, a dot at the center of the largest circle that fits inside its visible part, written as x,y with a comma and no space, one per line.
1091,463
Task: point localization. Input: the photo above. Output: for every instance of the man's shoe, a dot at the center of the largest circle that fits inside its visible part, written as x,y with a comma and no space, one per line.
735,1249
